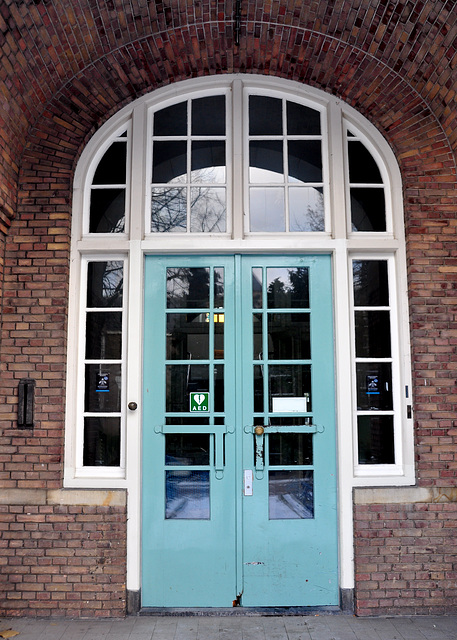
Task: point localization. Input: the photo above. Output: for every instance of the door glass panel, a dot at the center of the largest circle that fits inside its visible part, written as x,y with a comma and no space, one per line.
265,116
102,442
258,388
182,380
288,288
187,287
187,336
374,386
257,319
290,448
187,449
168,210
104,335
306,209
376,439
218,287
207,210
288,336
187,495
372,334
219,323
219,403
257,280
289,381
291,495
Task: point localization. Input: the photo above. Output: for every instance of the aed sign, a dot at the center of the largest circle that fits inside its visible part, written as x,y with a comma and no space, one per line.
199,401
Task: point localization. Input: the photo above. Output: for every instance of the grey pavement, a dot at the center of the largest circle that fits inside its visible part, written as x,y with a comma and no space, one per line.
235,627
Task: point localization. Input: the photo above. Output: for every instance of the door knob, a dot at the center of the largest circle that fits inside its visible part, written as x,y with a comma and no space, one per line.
132,406
259,431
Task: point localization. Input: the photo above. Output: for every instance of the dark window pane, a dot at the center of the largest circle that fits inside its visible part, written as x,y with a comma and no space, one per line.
302,121
188,288
171,121
102,442
187,449
288,421
306,209
257,279
181,380
207,210
219,388
291,495
258,388
218,287
362,165
289,381
105,283
112,167
368,209
374,386
288,287
305,161
372,334
266,162
104,335
186,420
376,439
107,211
288,336
169,161
187,495
187,336
102,388
257,320
265,116
291,448
208,116
371,287
219,324
208,161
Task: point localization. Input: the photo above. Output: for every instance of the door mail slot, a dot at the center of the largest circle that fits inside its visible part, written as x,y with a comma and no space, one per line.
26,403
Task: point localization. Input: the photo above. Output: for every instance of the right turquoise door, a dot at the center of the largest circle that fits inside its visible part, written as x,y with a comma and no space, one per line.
239,464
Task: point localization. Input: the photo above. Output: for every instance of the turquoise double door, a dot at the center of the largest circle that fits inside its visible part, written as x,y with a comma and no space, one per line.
239,473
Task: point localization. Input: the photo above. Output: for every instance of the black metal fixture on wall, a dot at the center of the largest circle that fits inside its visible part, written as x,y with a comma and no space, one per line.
237,23
26,403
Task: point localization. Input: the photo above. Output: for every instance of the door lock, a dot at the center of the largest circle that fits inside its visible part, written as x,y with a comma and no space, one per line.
132,406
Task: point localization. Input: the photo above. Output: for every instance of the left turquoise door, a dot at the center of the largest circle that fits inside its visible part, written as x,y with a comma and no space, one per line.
239,471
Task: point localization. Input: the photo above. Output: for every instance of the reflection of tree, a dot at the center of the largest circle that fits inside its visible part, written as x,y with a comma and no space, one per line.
291,290
187,287
105,283
313,220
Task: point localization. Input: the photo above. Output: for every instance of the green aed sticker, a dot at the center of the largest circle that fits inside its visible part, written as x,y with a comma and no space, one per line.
199,401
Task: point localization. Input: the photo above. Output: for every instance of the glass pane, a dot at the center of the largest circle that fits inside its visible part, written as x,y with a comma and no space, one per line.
266,161
376,439
266,209
258,388
362,165
374,386
257,336
181,380
187,420
219,324
187,495
107,211
291,495
305,161
112,167
290,381
105,283
288,288
291,448
168,210
288,336
187,449
219,287
288,421
368,209
208,116
219,388
371,288
102,388
188,287
207,210
306,209
187,336
302,120
372,334
265,116
208,161
102,442
257,279
171,121
104,335
169,161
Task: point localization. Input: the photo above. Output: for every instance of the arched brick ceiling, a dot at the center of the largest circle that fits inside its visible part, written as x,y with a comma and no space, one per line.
66,66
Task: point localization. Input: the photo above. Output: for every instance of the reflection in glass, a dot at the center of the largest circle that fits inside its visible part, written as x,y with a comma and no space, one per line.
168,210
302,121
112,167
169,161
368,209
257,335
266,162
376,439
257,279
107,211
102,442
208,116
266,209
187,287
105,282
187,449
219,387
290,448
371,288
104,335
291,495
362,166
219,324
218,287
171,121
306,209
372,334
102,388
290,380
208,161
288,287
305,161
265,116
288,336
187,495
374,386
207,210
187,336
181,380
